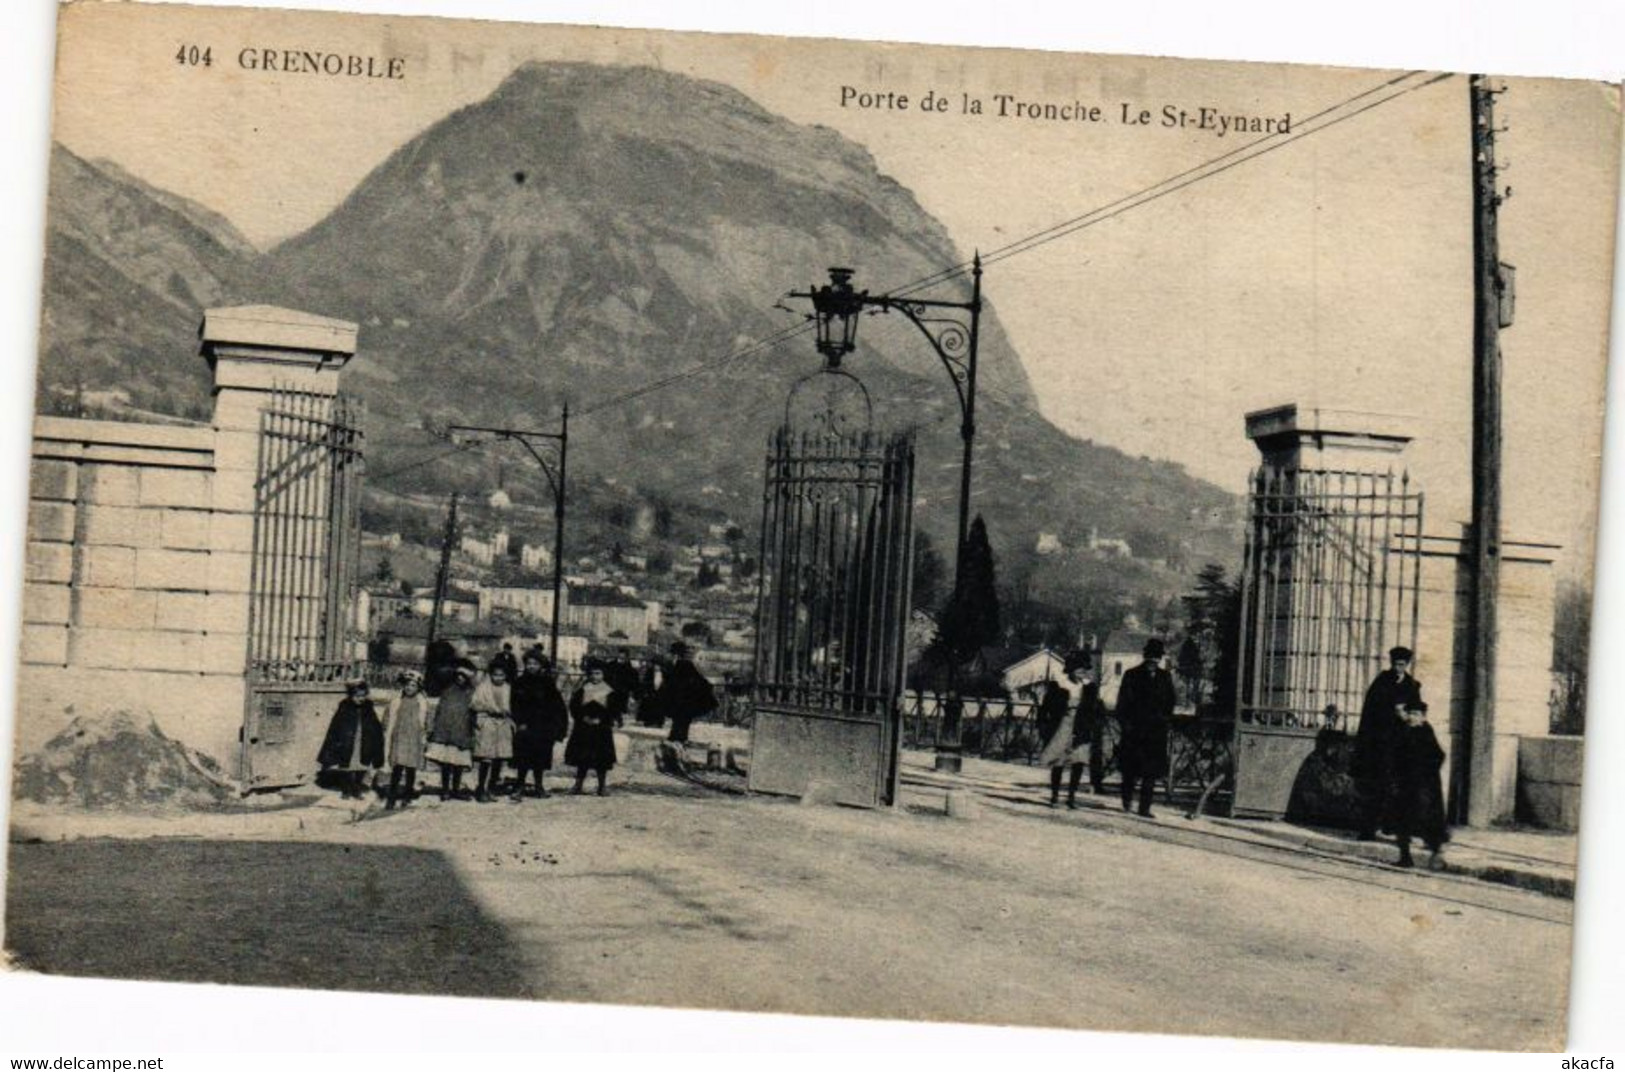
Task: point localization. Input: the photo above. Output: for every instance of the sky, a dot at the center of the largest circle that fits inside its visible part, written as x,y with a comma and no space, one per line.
1334,271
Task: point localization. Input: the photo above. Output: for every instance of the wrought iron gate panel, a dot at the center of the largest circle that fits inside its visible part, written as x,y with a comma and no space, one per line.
305,553
1331,580
837,537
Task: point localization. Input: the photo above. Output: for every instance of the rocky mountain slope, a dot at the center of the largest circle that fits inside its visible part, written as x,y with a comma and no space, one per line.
579,235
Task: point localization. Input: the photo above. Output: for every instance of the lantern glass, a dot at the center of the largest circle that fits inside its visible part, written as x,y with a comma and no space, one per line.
837,306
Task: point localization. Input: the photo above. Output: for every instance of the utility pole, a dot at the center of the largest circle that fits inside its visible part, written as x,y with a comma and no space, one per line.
441,577
1475,801
556,481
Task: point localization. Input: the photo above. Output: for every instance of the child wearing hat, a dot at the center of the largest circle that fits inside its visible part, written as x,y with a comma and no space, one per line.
406,728
493,728
451,732
595,711
540,720
1418,794
354,743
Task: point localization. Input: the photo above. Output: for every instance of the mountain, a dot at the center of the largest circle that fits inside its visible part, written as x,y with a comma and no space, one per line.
128,269
584,233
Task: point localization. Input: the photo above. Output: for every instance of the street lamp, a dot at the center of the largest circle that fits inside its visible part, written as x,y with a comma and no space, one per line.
555,481
953,329
836,308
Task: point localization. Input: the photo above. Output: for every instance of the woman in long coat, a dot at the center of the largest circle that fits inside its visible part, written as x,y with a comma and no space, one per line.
451,732
540,720
354,743
1145,704
1064,719
596,710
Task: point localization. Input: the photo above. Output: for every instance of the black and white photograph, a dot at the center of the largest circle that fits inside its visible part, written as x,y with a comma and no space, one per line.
811,526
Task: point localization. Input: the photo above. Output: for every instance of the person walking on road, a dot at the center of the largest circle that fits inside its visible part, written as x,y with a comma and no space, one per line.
1418,793
684,695
1145,704
1381,717
1064,717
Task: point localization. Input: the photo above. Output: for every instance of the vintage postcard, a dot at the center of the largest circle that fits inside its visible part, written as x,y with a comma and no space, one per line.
809,526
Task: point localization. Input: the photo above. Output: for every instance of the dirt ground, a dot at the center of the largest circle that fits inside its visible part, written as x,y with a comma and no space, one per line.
665,894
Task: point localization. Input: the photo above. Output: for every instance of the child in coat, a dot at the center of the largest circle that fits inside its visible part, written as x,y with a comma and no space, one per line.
354,744
596,711
406,730
451,730
493,728
1418,794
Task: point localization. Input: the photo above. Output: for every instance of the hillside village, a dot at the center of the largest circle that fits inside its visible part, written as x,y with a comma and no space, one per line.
639,597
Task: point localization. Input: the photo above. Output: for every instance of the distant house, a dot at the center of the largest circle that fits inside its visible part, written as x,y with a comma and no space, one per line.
1049,544
485,552
530,601
1105,545
1041,665
379,603
459,605
605,612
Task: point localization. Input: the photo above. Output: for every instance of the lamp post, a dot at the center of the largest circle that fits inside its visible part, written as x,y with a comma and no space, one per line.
953,329
556,482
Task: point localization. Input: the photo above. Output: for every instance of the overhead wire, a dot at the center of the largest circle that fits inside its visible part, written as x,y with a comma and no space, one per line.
1207,169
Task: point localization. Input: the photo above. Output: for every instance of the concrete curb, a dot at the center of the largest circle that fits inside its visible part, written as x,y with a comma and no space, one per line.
1484,865
1465,861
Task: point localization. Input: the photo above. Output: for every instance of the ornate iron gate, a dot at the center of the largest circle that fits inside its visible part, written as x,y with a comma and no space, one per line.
1330,582
307,542
837,536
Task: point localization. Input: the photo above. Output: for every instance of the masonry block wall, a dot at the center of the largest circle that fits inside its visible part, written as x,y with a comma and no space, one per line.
136,583
140,544
1483,768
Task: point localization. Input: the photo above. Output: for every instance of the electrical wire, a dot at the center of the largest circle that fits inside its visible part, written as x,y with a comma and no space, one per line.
1173,183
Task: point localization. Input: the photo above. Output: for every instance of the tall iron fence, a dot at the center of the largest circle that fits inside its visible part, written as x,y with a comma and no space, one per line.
307,539
1331,581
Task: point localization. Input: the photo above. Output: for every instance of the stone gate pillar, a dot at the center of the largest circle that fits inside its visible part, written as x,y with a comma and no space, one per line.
1482,765
140,539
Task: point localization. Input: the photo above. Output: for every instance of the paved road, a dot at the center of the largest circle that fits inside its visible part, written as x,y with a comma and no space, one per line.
661,895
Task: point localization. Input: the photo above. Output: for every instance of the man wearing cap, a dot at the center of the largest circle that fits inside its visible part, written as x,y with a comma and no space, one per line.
1145,704
1380,716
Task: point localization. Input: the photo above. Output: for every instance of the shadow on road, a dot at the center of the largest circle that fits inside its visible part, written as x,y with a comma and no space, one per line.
337,917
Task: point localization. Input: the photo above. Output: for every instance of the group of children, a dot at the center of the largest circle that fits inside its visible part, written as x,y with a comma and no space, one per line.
479,722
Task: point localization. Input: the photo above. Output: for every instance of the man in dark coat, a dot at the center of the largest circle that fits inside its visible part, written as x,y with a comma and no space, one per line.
1392,692
508,661
540,720
684,695
621,674
1418,794
1145,704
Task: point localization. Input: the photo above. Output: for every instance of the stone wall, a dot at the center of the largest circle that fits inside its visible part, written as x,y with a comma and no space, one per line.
136,583
140,538
1549,771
